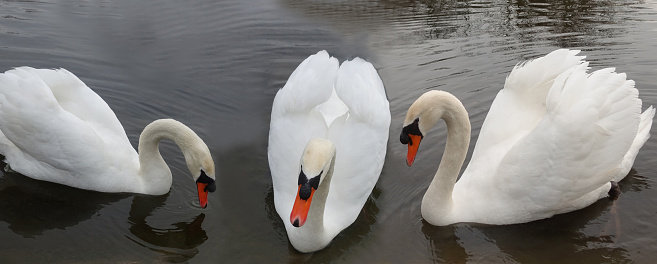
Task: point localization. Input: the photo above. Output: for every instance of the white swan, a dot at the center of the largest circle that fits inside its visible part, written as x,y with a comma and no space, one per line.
54,128
346,126
554,139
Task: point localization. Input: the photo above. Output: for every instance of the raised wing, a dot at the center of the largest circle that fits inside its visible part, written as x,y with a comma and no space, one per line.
50,118
578,146
294,121
360,138
520,106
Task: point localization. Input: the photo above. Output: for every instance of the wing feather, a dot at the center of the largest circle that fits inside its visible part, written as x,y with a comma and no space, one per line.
34,143
294,121
360,138
519,107
578,146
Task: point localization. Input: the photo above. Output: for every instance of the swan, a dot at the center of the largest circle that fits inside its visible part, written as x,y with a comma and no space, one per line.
555,140
54,128
327,143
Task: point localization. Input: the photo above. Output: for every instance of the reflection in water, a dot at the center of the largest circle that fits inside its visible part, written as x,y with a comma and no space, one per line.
565,23
177,244
274,218
31,207
444,243
634,182
588,235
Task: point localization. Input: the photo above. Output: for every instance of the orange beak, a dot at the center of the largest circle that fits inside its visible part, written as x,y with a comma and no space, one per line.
300,209
412,148
202,194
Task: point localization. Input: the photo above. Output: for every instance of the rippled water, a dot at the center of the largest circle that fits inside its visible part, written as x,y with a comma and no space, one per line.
216,66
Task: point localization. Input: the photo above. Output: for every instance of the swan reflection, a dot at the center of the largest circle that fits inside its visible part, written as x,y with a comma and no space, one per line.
31,207
178,242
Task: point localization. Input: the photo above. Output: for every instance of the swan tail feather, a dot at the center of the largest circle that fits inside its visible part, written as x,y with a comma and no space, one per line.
641,138
646,120
603,113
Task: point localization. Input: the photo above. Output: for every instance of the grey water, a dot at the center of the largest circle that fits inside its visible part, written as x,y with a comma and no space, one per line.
216,66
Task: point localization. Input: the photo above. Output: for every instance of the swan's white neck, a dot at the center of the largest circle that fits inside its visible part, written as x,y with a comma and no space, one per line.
313,235
316,213
154,172
437,202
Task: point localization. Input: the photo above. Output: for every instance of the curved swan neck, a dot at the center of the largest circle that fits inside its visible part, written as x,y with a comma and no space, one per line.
315,220
450,109
154,171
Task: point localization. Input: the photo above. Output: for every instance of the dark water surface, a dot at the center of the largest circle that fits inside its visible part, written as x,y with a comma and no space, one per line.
216,66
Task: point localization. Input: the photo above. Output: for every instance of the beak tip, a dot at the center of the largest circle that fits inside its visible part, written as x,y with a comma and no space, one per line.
295,223
409,161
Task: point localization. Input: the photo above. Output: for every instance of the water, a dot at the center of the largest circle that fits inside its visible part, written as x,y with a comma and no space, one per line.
216,66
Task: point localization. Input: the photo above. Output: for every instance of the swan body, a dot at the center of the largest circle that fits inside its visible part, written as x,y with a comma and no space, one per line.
329,130
54,128
553,141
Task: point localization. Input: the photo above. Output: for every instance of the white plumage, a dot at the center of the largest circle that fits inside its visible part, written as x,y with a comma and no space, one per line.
552,141
55,128
346,105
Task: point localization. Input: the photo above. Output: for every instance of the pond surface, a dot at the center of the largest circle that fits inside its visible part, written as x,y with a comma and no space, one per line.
216,66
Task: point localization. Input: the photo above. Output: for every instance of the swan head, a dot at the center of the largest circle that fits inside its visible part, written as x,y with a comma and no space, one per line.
316,162
204,184
199,161
196,153
200,164
421,116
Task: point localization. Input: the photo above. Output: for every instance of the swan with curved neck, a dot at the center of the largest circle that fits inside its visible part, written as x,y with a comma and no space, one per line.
555,140
329,130
433,106
55,128
154,172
